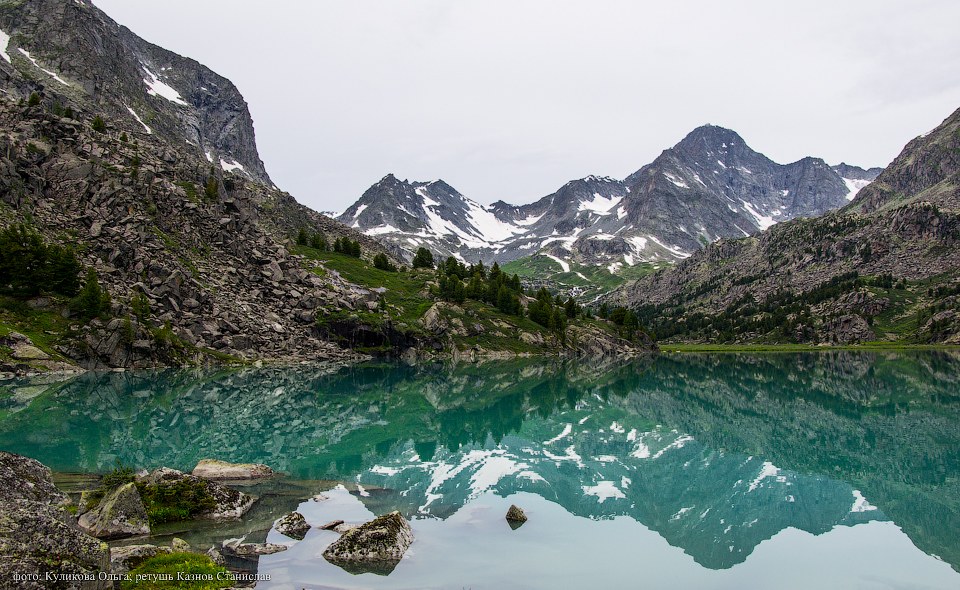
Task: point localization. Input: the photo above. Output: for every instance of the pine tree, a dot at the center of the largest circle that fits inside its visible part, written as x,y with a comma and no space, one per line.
302,238
423,258
98,124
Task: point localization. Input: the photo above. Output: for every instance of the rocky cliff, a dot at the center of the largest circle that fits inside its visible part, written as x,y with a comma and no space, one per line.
144,162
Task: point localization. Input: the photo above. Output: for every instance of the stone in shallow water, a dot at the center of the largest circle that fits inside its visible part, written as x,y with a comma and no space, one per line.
373,547
515,515
293,525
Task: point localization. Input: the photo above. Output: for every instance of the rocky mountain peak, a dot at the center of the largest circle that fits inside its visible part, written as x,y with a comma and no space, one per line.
75,50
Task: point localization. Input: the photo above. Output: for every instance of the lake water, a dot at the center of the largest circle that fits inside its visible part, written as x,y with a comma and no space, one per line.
826,470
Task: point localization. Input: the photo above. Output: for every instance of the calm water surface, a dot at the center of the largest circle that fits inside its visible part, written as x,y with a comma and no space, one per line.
828,470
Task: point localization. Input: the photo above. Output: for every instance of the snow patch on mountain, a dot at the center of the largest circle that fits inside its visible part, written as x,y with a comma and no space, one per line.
4,45
139,120
155,87
50,73
854,185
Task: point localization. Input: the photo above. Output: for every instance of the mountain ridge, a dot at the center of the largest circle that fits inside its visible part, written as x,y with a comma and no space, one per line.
663,212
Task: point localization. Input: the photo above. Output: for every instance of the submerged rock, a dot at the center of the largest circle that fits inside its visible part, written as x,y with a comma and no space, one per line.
216,470
293,525
119,514
375,547
230,503
124,559
37,536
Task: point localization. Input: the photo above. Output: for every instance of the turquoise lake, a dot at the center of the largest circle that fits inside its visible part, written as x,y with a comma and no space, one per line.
819,470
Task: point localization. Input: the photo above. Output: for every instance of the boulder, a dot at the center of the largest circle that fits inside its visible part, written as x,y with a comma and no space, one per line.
230,503
22,478
375,547
124,559
240,549
37,536
178,545
515,516
119,514
216,470
330,526
293,525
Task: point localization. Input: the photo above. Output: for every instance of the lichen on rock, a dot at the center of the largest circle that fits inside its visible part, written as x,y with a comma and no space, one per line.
375,547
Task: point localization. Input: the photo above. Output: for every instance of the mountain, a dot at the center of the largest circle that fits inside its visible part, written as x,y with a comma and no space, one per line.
74,49
709,186
145,163
886,267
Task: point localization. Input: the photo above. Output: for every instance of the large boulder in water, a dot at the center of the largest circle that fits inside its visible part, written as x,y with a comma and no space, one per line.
375,547
119,514
293,525
38,537
228,502
216,470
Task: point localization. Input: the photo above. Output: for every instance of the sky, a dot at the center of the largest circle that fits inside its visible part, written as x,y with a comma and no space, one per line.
510,99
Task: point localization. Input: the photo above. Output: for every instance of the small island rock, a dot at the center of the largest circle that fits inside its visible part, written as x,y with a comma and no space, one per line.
516,514
293,525
216,470
119,514
376,546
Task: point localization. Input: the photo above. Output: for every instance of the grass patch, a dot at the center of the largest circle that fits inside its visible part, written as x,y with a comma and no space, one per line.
165,571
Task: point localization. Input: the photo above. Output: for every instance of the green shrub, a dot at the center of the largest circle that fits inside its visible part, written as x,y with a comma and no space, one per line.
178,501
93,300
423,258
34,99
29,266
110,481
319,242
98,124
199,567
383,263
140,306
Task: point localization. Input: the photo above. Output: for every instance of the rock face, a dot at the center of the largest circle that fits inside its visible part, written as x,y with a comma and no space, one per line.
293,525
120,514
376,546
168,200
37,536
230,503
709,186
215,470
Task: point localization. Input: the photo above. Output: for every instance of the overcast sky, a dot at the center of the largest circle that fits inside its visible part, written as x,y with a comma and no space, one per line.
509,99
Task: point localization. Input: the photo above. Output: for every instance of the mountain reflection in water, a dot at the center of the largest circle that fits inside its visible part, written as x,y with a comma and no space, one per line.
716,453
